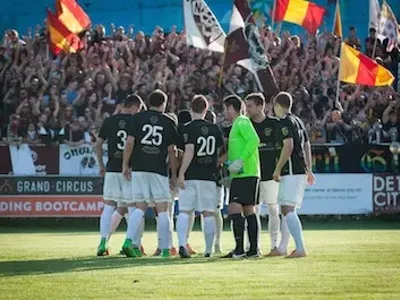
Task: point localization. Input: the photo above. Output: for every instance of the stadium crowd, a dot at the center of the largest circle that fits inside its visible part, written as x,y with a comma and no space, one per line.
64,99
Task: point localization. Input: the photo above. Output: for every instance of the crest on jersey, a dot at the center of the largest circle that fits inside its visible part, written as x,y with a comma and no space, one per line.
185,137
267,131
121,124
204,130
285,131
154,120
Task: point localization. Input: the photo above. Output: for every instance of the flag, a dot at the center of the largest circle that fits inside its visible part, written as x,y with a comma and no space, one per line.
358,68
60,38
72,15
300,12
337,25
374,10
202,27
388,27
244,47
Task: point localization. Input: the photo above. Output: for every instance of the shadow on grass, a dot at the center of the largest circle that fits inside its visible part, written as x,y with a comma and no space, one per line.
84,264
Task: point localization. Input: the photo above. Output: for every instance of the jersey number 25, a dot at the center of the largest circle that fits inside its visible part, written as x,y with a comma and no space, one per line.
153,136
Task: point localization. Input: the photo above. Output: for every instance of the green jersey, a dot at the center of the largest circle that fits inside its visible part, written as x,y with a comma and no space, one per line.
243,144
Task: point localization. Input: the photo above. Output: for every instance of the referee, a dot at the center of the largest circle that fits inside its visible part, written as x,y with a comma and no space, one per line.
244,168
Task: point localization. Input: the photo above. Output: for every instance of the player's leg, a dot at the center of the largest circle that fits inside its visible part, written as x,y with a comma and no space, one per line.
117,217
157,252
192,220
290,199
219,222
249,203
171,207
207,203
285,237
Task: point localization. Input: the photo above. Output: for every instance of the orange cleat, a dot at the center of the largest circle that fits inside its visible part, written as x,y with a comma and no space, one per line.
296,254
275,253
142,250
157,252
190,250
173,251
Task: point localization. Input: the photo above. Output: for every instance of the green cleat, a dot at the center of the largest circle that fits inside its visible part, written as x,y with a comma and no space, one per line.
102,250
127,248
137,252
165,253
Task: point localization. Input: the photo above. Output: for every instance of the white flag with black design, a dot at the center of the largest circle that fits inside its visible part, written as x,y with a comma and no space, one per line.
202,27
388,27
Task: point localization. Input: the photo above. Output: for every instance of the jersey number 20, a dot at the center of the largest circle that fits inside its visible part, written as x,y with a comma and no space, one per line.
152,135
207,145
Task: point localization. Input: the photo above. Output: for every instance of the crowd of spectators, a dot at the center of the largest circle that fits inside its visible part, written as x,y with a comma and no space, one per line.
64,99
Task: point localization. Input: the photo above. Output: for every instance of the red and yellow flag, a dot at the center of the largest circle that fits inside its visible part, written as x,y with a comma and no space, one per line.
337,25
358,68
72,15
60,38
300,12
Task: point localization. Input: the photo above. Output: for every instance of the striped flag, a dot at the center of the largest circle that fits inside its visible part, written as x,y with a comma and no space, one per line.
358,68
60,38
72,16
337,25
244,47
202,27
304,13
388,27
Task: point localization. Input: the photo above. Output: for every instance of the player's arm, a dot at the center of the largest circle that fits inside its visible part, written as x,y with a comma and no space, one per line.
173,159
99,147
286,135
186,161
251,137
130,143
308,159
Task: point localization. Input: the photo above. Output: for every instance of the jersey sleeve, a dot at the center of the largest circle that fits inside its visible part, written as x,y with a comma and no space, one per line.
173,135
187,136
103,134
133,128
219,137
250,135
285,129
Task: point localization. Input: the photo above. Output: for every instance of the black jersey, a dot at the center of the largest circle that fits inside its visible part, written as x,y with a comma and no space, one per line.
115,131
267,131
291,126
206,138
153,132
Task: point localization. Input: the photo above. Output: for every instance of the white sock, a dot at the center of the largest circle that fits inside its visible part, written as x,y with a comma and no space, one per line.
273,224
219,224
295,229
163,229
285,235
258,216
182,225
105,220
191,220
135,218
137,241
171,225
209,232
116,218
158,235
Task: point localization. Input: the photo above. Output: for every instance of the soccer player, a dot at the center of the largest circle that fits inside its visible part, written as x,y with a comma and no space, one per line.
198,189
267,128
116,189
293,169
151,140
244,167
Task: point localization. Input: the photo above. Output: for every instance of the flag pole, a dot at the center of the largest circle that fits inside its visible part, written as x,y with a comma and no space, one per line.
273,16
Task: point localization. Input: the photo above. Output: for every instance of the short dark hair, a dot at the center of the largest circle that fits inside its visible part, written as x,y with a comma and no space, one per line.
234,101
258,98
284,99
157,98
211,117
133,100
352,28
199,104
184,116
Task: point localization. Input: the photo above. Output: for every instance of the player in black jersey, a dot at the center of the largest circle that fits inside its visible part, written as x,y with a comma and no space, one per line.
198,189
267,129
293,170
116,188
150,150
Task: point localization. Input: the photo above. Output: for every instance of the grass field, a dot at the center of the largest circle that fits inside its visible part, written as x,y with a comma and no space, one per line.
342,264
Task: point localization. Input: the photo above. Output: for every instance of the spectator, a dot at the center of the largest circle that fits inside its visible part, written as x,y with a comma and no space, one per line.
12,133
32,135
353,40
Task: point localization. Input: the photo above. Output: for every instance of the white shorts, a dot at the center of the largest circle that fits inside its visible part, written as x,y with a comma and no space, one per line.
116,188
220,197
149,187
198,195
269,192
291,190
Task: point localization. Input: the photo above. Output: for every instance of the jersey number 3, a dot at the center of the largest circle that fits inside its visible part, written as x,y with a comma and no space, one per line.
122,135
153,136
207,145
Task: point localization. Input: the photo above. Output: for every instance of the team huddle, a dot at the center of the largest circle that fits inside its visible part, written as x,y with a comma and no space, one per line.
153,158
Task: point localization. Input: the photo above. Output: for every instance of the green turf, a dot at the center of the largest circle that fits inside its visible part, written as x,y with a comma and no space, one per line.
342,264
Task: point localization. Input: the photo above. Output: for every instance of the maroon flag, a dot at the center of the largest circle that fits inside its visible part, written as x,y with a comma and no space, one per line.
243,46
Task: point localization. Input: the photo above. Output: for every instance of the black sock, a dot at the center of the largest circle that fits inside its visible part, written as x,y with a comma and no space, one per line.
238,231
252,230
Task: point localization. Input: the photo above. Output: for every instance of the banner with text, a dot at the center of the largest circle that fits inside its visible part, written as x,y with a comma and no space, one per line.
386,193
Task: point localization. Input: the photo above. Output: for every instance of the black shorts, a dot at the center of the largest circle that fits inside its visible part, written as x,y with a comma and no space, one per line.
244,191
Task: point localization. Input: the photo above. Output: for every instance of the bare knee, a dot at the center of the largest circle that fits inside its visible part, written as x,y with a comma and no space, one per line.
122,210
286,209
235,208
249,210
207,214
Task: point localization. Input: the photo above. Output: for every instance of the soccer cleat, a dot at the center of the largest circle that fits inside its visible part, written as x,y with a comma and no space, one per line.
157,252
229,255
238,255
252,254
274,253
217,249
127,248
183,253
142,250
173,251
165,253
191,251
121,252
297,254
137,252
207,255
102,249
